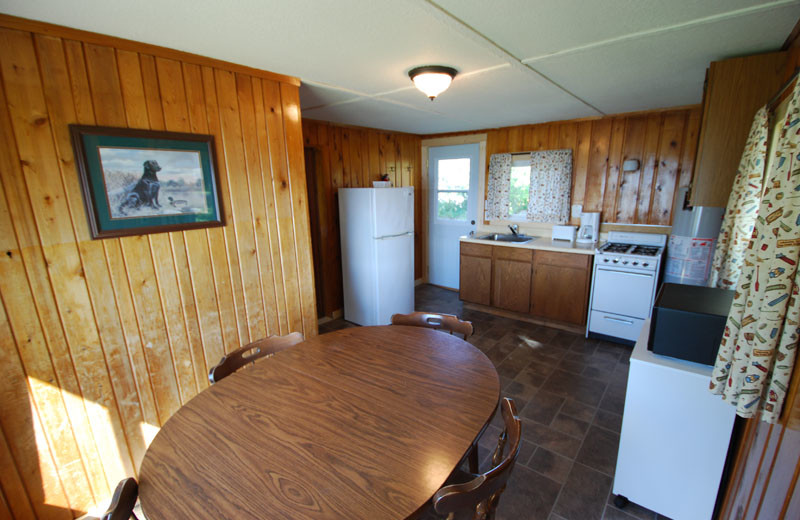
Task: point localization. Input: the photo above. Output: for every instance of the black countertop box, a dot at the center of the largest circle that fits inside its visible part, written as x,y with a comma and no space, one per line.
688,322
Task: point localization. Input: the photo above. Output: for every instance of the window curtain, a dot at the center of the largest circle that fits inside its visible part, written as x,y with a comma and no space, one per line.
497,189
740,215
551,183
757,352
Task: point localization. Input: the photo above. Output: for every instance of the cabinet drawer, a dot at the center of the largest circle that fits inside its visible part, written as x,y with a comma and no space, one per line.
578,260
512,253
468,248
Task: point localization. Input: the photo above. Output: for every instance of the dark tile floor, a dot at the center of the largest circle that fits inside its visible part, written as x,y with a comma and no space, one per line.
570,393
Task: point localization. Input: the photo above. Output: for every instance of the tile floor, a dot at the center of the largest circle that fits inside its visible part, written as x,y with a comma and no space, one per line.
570,393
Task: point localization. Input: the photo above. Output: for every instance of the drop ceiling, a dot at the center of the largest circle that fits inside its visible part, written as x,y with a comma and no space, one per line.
519,61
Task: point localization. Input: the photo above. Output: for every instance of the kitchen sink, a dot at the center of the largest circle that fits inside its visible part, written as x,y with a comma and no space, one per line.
499,237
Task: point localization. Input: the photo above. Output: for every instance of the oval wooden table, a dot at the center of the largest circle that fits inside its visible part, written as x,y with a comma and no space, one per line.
362,423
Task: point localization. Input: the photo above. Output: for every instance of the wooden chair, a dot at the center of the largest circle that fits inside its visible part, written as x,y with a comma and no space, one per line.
477,496
122,502
249,353
431,320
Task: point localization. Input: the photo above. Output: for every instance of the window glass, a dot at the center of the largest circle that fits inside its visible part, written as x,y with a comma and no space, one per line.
452,189
454,174
519,190
452,205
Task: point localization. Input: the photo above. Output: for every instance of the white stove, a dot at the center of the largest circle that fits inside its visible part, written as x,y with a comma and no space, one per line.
624,283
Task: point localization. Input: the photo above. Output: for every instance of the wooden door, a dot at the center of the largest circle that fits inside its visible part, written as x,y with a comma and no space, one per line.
476,273
512,279
560,288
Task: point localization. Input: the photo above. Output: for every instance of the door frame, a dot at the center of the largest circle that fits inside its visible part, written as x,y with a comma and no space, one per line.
479,138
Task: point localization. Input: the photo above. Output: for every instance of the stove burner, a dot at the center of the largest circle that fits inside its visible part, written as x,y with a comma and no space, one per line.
646,250
616,248
631,249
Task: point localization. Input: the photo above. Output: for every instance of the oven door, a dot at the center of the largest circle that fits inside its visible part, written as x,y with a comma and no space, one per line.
625,292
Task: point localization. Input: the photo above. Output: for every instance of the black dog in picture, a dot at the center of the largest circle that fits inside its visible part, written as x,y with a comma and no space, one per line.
145,191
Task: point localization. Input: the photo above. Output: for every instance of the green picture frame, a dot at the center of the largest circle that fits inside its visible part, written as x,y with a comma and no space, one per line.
137,182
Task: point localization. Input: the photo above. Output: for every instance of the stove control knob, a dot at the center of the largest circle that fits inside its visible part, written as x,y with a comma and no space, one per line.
616,260
605,259
636,263
624,262
645,264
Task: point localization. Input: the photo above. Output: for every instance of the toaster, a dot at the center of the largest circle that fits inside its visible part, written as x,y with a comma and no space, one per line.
564,233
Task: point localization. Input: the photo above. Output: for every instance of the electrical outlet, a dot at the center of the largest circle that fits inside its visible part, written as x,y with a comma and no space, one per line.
577,209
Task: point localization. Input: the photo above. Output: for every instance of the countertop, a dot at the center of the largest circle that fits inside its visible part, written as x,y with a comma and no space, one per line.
543,243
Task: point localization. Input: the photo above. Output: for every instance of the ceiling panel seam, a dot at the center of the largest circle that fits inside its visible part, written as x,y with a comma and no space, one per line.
464,28
661,30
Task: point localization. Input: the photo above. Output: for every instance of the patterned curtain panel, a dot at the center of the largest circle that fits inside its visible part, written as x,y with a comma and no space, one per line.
497,190
757,352
740,216
551,181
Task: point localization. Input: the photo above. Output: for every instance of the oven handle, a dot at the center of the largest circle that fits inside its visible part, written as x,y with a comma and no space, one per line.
648,275
626,322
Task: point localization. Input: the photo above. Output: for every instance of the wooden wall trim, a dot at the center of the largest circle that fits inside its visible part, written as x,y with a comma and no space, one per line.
60,31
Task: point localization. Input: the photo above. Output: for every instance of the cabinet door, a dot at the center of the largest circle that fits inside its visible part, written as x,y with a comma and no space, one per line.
512,282
560,289
476,279
736,89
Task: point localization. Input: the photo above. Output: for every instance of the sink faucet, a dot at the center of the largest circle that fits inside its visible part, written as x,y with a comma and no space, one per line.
514,229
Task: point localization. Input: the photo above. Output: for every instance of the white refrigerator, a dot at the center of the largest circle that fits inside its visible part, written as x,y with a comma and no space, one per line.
377,233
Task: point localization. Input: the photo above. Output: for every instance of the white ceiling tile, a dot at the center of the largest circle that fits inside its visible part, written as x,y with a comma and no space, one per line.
529,29
666,69
312,96
501,97
373,113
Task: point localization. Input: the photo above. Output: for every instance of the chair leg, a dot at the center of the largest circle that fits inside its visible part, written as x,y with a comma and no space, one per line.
474,459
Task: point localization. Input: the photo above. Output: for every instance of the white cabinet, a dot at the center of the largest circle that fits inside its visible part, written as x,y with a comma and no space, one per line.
674,438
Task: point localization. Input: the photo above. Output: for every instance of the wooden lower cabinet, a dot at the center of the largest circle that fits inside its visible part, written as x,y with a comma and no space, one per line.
475,281
548,285
511,282
560,287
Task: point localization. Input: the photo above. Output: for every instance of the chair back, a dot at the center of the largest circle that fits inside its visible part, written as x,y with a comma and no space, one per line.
432,320
249,353
477,499
123,501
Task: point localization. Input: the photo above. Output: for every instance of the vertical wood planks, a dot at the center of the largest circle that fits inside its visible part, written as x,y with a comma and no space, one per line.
629,184
358,156
600,147
666,181
102,340
598,164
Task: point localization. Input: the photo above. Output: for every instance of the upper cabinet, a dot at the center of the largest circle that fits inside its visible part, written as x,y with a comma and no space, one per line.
735,90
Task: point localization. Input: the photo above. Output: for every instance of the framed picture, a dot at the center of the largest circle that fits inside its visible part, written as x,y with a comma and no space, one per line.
140,181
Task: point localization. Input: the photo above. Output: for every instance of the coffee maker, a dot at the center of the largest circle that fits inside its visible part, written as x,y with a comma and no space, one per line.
590,228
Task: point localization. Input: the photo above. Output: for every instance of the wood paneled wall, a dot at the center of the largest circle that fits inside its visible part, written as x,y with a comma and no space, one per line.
664,142
352,157
102,340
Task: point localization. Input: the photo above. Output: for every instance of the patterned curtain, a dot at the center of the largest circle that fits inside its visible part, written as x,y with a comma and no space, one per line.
551,183
757,351
740,216
497,190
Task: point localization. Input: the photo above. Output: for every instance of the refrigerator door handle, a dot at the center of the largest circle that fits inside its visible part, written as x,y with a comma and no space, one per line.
395,236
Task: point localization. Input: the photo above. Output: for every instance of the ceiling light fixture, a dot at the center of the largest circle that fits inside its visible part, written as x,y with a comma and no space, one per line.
432,79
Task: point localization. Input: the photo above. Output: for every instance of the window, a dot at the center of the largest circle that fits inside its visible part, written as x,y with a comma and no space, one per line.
452,189
519,189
